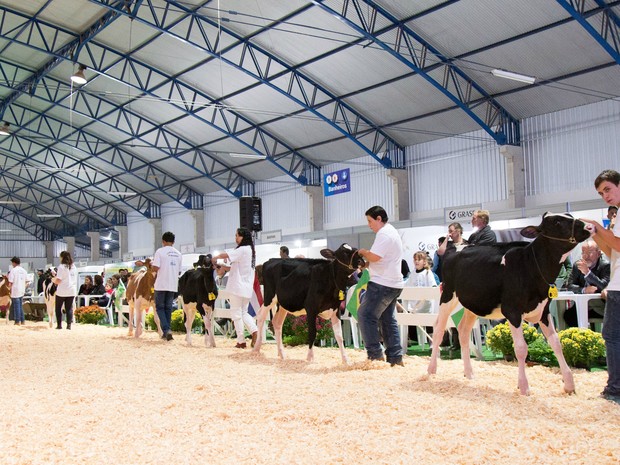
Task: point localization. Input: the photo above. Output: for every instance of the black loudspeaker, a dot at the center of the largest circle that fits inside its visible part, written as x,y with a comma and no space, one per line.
251,213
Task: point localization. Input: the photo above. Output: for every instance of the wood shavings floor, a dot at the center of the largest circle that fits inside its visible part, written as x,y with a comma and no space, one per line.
94,396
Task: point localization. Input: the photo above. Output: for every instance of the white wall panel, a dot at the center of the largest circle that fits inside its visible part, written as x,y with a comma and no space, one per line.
455,171
140,235
179,221
221,218
285,205
370,186
566,150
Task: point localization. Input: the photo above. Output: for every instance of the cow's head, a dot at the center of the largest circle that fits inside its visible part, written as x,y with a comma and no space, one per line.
147,263
345,255
561,227
204,261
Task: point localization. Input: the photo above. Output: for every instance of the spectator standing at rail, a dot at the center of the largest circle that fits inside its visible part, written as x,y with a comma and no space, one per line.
483,235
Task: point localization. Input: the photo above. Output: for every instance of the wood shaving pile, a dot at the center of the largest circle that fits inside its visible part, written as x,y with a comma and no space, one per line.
94,396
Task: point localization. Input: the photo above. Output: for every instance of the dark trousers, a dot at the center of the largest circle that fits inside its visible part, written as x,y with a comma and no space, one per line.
68,303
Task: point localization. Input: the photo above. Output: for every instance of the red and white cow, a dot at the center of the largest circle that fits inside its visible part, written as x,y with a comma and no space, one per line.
140,297
5,297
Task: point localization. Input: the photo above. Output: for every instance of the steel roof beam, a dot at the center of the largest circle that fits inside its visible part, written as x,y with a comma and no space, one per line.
272,71
364,16
37,230
603,27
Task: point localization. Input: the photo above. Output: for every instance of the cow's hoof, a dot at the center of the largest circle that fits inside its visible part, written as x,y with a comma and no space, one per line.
570,392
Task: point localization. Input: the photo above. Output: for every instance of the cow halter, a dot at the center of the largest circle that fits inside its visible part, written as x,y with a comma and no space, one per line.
350,265
571,239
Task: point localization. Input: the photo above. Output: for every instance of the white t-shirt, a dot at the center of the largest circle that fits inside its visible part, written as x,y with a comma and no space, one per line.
614,280
388,246
68,281
168,259
17,276
241,274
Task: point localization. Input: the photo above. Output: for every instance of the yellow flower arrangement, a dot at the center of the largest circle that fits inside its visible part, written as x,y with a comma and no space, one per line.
582,347
91,314
499,338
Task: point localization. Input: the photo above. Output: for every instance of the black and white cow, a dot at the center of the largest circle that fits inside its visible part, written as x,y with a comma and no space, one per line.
49,294
198,292
509,281
305,285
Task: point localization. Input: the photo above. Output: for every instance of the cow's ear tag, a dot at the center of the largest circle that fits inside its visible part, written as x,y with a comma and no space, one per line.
341,295
153,290
553,291
211,296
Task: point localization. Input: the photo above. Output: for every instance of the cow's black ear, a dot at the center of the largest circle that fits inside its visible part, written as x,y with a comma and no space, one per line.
327,253
530,232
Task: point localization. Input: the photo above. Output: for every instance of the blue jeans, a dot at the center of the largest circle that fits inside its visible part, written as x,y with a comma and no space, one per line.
18,309
611,335
163,306
379,306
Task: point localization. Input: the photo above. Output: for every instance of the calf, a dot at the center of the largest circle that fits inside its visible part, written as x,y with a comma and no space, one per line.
5,297
312,286
49,295
509,281
197,292
139,294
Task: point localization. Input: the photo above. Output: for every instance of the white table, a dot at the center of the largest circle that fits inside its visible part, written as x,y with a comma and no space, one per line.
581,304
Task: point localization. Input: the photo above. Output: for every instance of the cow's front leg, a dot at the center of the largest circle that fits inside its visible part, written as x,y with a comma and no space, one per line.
208,324
445,310
278,321
521,353
137,309
554,341
337,327
132,309
465,326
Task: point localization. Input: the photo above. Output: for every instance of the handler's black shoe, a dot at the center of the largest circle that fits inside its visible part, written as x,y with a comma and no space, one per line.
396,361
169,337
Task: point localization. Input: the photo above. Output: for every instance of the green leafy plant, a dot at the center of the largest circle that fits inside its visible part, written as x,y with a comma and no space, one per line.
541,352
295,330
91,314
499,339
582,348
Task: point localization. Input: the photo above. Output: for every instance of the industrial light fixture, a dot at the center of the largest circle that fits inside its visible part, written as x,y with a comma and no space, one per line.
78,77
48,215
4,130
514,76
6,230
122,193
252,156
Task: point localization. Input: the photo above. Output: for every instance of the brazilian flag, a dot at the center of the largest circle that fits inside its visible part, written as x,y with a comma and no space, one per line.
358,294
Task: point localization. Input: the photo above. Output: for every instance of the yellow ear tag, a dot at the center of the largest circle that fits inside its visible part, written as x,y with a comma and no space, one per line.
341,295
553,291
153,290
211,296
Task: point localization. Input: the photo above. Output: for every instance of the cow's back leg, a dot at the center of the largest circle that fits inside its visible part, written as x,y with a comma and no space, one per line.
445,309
131,303
261,317
50,307
554,341
208,324
337,327
521,354
465,326
189,309
278,321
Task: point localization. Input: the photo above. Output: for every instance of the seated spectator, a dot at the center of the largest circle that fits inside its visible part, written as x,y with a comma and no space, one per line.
85,289
98,288
590,275
422,277
108,295
612,212
483,234
436,268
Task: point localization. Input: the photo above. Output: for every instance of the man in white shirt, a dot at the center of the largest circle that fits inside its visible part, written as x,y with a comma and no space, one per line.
385,285
17,282
167,264
607,184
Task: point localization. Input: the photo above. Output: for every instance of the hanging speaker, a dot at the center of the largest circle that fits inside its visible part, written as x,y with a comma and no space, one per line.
251,213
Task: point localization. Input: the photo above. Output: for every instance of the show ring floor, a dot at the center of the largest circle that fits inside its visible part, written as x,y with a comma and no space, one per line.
94,396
